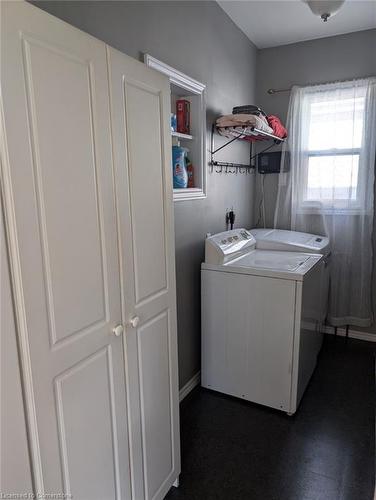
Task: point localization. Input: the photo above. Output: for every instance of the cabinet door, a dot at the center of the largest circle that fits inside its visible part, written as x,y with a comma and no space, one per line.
58,187
142,155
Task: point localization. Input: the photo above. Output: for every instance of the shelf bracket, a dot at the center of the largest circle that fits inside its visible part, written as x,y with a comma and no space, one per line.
234,168
227,167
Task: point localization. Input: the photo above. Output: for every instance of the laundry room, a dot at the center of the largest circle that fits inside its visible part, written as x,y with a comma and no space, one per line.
188,238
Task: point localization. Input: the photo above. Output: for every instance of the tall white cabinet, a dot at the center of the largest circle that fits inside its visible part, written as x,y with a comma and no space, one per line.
85,177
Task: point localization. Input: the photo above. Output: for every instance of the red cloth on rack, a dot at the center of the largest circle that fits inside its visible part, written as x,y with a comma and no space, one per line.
276,124
255,138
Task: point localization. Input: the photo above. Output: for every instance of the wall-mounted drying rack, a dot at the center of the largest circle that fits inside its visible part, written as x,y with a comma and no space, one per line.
234,168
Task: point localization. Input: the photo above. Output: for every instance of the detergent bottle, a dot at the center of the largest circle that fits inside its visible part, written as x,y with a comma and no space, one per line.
190,173
179,167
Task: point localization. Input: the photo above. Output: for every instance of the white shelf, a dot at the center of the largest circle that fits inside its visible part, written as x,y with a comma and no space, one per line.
185,87
185,194
182,136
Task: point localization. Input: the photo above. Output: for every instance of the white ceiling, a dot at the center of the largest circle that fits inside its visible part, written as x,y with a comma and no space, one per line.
269,23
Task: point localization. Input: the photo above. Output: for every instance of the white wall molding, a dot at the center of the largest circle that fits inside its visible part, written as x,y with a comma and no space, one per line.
189,386
354,334
175,76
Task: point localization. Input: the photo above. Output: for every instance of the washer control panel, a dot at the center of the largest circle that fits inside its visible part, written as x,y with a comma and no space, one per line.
222,246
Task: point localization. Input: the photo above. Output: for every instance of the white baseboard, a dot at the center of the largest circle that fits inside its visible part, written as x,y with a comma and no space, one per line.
354,334
189,386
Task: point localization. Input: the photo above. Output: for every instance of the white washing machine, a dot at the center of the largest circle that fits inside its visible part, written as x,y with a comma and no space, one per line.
295,241
260,320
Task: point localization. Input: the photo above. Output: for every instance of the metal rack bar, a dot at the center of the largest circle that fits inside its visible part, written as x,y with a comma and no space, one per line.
253,131
230,168
227,143
234,168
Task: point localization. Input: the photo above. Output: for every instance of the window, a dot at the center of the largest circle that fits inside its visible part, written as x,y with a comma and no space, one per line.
333,129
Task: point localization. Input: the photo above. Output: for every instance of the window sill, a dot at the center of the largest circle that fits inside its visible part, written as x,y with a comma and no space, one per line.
326,210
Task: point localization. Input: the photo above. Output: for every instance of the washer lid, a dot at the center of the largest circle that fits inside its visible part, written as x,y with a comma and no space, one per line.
294,241
270,263
265,259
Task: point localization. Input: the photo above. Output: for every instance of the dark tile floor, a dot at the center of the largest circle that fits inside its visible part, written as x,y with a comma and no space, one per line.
234,450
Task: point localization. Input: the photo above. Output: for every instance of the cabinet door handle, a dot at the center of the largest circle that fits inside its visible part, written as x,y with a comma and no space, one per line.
118,330
133,322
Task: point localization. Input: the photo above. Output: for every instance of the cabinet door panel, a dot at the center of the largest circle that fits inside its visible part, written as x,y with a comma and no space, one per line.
60,207
142,153
154,369
60,90
143,118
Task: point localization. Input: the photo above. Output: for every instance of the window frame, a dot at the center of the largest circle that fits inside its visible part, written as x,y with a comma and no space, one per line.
346,206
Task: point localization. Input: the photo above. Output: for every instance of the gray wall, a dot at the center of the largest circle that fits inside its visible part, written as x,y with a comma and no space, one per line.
317,61
199,39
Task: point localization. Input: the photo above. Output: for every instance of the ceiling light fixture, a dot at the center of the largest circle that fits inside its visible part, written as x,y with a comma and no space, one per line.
324,8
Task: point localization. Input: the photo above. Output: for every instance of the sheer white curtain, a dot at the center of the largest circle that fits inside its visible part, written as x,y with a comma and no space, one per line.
326,185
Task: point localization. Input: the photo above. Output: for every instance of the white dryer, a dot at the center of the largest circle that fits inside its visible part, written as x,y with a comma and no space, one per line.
260,320
296,241
292,241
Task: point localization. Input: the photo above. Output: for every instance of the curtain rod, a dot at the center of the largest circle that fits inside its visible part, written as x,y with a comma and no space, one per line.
276,91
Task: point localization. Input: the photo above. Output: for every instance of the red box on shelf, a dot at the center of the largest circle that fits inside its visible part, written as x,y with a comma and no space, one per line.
183,116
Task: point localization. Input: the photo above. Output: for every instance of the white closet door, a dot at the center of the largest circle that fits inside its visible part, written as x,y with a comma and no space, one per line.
58,185
140,111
